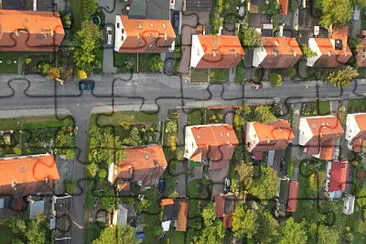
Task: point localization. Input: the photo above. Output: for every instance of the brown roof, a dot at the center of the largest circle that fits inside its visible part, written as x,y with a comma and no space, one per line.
146,164
215,141
293,195
147,35
220,51
338,176
182,216
330,56
283,6
30,31
282,52
273,136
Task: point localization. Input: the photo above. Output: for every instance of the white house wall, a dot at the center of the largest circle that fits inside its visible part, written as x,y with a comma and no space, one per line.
259,54
190,144
118,34
251,136
197,51
305,133
314,47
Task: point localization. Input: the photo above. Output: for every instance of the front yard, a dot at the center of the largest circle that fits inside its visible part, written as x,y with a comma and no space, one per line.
319,108
356,106
132,62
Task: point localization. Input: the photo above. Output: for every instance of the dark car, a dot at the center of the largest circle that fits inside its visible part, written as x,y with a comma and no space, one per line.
87,85
161,185
175,20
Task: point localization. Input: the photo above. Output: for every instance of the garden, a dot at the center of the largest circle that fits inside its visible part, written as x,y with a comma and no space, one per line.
315,108
199,75
132,62
357,105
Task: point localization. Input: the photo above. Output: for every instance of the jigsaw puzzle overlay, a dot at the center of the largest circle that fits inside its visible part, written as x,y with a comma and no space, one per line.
180,122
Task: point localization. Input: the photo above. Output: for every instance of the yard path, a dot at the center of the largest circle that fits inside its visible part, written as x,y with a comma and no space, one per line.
181,167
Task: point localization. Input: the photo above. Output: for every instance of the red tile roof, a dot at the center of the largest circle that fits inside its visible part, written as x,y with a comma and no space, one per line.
282,52
30,31
325,125
146,164
147,35
338,176
182,216
293,195
359,140
330,56
166,201
273,136
283,6
220,51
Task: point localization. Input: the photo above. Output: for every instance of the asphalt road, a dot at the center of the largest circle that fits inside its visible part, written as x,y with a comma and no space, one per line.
146,91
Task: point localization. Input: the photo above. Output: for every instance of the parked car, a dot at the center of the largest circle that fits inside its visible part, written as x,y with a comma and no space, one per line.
161,185
256,86
227,185
86,85
175,20
109,36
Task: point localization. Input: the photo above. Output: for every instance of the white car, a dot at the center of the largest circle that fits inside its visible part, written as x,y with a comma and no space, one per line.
109,32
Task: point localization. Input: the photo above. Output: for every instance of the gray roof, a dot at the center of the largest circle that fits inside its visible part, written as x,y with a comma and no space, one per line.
198,5
152,9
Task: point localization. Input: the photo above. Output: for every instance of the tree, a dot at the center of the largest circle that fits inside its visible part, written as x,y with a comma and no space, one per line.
361,199
266,184
245,171
155,64
209,214
275,79
249,37
271,7
267,226
110,199
263,114
117,234
292,232
335,12
86,43
65,143
342,78
323,234
359,3
244,222
36,230
54,73
133,139
307,51
242,115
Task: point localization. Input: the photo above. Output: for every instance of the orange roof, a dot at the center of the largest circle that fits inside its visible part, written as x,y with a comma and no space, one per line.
278,130
166,201
284,6
220,51
214,135
147,35
325,125
21,30
182,216
28,169
293,195
143,158
281,52
361,121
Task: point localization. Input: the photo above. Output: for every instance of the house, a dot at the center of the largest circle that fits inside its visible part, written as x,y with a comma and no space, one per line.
224,208
194,6
174,211
277,52
143,35
211,51
337,173
319,135
152,9
292,196
123,215
27,178
213,144
348,204
283,6
35,5
330,52
360,54
143,165
30,31
356,132
268,137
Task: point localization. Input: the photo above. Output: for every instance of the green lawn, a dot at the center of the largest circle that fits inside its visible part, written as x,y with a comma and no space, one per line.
30,123
152,215
125,62
6,235
315,108
219,75
144,60
199,75
240,72
76,6
7,66
196,116
358,105
125,116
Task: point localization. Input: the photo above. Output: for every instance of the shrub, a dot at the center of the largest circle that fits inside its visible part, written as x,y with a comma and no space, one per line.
155,64
306,51
102,173
275,79
288,72
81,74
17,150
27,60
70,186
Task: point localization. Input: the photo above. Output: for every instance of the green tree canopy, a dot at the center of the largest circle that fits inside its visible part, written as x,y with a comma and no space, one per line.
244,222
343,77
118,235
245,172
307,51
263,114
323,234
267,227
155,63
265,184
36,230
335,12
361,199
249,37
292,232
275,79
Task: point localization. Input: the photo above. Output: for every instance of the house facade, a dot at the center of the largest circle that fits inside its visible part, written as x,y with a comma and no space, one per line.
356,132
212,143
30,31
319,136
142,165
211,51
277,52
143,35
268,137
330,52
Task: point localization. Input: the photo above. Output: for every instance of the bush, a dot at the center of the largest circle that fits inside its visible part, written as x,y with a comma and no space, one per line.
288,72
306,51
155,64
102,174
275,79
17,150
70,186
27,60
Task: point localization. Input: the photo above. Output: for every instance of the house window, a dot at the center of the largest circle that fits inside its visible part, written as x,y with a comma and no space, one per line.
118,27
122,38
123,30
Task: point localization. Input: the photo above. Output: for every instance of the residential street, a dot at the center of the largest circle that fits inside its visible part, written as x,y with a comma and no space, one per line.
143,92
